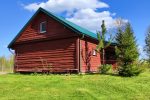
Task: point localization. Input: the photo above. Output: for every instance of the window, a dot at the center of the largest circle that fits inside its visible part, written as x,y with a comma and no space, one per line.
94,52
42,27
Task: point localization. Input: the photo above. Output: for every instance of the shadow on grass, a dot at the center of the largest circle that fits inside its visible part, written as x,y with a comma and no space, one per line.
65,74
109,74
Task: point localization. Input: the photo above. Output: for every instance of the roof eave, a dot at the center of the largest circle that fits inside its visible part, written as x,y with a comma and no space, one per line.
11,43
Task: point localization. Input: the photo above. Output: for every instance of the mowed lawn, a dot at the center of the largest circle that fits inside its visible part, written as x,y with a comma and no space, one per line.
74,87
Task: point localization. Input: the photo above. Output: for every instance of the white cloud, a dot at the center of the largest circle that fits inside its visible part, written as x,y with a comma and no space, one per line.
66,5
81,12
91,20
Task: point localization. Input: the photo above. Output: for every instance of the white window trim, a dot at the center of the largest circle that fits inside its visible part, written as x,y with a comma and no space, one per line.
41,27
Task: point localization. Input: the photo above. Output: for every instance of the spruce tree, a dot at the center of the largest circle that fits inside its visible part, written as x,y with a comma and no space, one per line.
126,51
147,46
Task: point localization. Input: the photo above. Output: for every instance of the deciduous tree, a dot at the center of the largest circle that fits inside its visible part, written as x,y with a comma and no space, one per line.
102,45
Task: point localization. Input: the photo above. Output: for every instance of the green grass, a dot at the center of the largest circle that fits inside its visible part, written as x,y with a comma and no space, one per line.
74,87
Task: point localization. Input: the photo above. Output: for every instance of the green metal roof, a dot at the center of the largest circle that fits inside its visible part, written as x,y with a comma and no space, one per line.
62,20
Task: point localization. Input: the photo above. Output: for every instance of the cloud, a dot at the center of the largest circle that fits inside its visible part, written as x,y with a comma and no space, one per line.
82,12
67,5
91,20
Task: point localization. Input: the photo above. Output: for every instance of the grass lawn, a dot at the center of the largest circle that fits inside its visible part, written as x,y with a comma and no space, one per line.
74,87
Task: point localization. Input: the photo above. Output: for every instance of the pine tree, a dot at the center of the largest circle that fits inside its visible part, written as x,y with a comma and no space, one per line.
147,46
126,51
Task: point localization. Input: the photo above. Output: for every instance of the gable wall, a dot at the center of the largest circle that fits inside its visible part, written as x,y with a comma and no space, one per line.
54,29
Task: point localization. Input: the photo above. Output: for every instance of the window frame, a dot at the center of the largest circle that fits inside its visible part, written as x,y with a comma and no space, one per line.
41,23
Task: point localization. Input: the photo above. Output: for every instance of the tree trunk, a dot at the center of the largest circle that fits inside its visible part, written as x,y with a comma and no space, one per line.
103,51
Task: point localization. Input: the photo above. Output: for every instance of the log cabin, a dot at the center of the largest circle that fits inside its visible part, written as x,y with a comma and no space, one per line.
51,43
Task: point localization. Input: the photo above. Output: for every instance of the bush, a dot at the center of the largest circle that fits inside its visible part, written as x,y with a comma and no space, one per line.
103,69
129,70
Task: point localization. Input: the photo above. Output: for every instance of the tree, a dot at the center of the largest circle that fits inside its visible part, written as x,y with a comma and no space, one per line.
102,45
147,46
126,51
127,47
2,63
6,64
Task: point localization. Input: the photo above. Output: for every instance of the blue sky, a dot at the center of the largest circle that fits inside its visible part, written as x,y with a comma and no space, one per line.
15,13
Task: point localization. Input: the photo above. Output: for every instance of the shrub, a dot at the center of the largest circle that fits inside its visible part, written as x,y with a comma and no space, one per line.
103,69
143,64
129,70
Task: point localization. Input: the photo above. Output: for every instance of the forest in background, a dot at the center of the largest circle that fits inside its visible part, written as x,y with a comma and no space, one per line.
6,64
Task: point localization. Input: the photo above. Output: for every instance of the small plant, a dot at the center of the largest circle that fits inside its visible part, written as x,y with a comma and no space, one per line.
103,69
47,67
129,70
34,74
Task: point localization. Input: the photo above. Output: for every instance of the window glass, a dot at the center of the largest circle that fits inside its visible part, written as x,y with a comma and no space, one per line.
42,27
